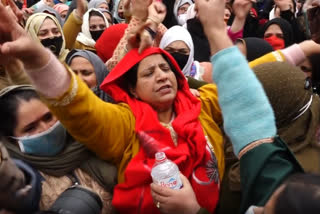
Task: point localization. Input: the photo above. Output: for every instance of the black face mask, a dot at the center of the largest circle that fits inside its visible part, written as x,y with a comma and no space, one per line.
54,44
181,59
96,34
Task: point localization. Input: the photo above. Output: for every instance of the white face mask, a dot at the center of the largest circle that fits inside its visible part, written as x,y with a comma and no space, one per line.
182,19
250,210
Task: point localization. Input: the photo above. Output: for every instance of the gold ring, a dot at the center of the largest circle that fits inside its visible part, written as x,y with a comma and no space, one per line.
158,205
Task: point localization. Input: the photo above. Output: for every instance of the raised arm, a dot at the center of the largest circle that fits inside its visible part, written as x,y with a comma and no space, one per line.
246,111
73,24
105,128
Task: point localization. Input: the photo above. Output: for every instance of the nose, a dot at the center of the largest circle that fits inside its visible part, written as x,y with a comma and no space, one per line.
161,75
50,35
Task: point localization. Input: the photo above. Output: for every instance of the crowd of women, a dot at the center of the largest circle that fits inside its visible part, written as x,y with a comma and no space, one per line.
228,90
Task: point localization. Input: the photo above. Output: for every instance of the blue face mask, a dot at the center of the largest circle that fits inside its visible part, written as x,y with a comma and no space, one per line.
48,143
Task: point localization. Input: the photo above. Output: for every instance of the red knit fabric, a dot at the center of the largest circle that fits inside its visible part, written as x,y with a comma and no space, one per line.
109,40
192,155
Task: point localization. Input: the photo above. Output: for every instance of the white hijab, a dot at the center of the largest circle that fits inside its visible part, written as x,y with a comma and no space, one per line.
178,33
182,19
84,36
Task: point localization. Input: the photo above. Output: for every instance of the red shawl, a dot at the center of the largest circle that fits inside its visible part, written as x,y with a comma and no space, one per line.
192,155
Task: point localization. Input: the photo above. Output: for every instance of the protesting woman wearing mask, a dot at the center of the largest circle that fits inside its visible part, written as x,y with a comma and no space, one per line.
153,97
45,28
32,134
84,27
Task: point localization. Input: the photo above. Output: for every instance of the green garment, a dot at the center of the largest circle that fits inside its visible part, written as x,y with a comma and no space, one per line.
195,84
263,169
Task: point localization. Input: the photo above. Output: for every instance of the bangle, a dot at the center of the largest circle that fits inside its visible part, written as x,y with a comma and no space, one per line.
152,33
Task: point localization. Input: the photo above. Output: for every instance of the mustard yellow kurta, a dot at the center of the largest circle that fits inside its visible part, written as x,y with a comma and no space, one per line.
109,129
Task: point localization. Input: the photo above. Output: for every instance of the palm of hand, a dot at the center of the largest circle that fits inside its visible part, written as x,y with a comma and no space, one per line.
139,8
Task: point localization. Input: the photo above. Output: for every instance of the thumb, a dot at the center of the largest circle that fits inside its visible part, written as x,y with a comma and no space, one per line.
185,181
145,42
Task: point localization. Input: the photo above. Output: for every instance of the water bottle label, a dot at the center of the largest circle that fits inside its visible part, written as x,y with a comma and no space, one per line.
173,182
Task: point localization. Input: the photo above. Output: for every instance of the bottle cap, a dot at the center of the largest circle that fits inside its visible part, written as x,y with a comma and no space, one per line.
160,156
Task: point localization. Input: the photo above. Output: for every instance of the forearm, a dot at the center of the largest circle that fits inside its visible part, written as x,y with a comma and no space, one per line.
236,29
50,79
218,40
71,28
247,113
121,48
104,128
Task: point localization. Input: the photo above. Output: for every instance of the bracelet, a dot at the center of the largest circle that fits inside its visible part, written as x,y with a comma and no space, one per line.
152,33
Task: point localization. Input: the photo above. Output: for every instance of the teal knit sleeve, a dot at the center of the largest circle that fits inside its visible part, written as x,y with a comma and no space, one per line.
247,113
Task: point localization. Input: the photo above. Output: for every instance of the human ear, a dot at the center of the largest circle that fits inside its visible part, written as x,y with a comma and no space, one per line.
133,92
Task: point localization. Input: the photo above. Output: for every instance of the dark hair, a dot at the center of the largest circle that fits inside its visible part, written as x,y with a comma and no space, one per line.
9,104
129,79
95,13
300,195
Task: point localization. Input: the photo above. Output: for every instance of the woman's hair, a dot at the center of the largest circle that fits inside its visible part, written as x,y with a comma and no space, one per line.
300,195
95,13
9,105
129,79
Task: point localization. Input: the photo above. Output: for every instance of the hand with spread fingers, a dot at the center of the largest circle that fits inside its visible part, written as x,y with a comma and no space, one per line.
142,36
15,43
181,201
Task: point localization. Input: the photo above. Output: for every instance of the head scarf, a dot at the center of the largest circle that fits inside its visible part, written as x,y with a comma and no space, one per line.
296,110
191,153
84,36
256,47
96,3
99,68
178,4
33,25
109,40
107,11
178,33
61,7
51,11
286,28
191,13
115,11
202,51
73,156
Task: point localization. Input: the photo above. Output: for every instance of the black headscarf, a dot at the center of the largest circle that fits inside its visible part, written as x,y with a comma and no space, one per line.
256,47
286,28
200,41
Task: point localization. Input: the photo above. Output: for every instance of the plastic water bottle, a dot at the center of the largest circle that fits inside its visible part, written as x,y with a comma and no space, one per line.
165,172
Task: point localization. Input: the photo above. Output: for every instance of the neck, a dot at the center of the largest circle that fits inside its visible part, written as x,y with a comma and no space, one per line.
165,116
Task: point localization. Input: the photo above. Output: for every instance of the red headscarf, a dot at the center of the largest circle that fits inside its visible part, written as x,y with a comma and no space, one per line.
192,154
109,40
